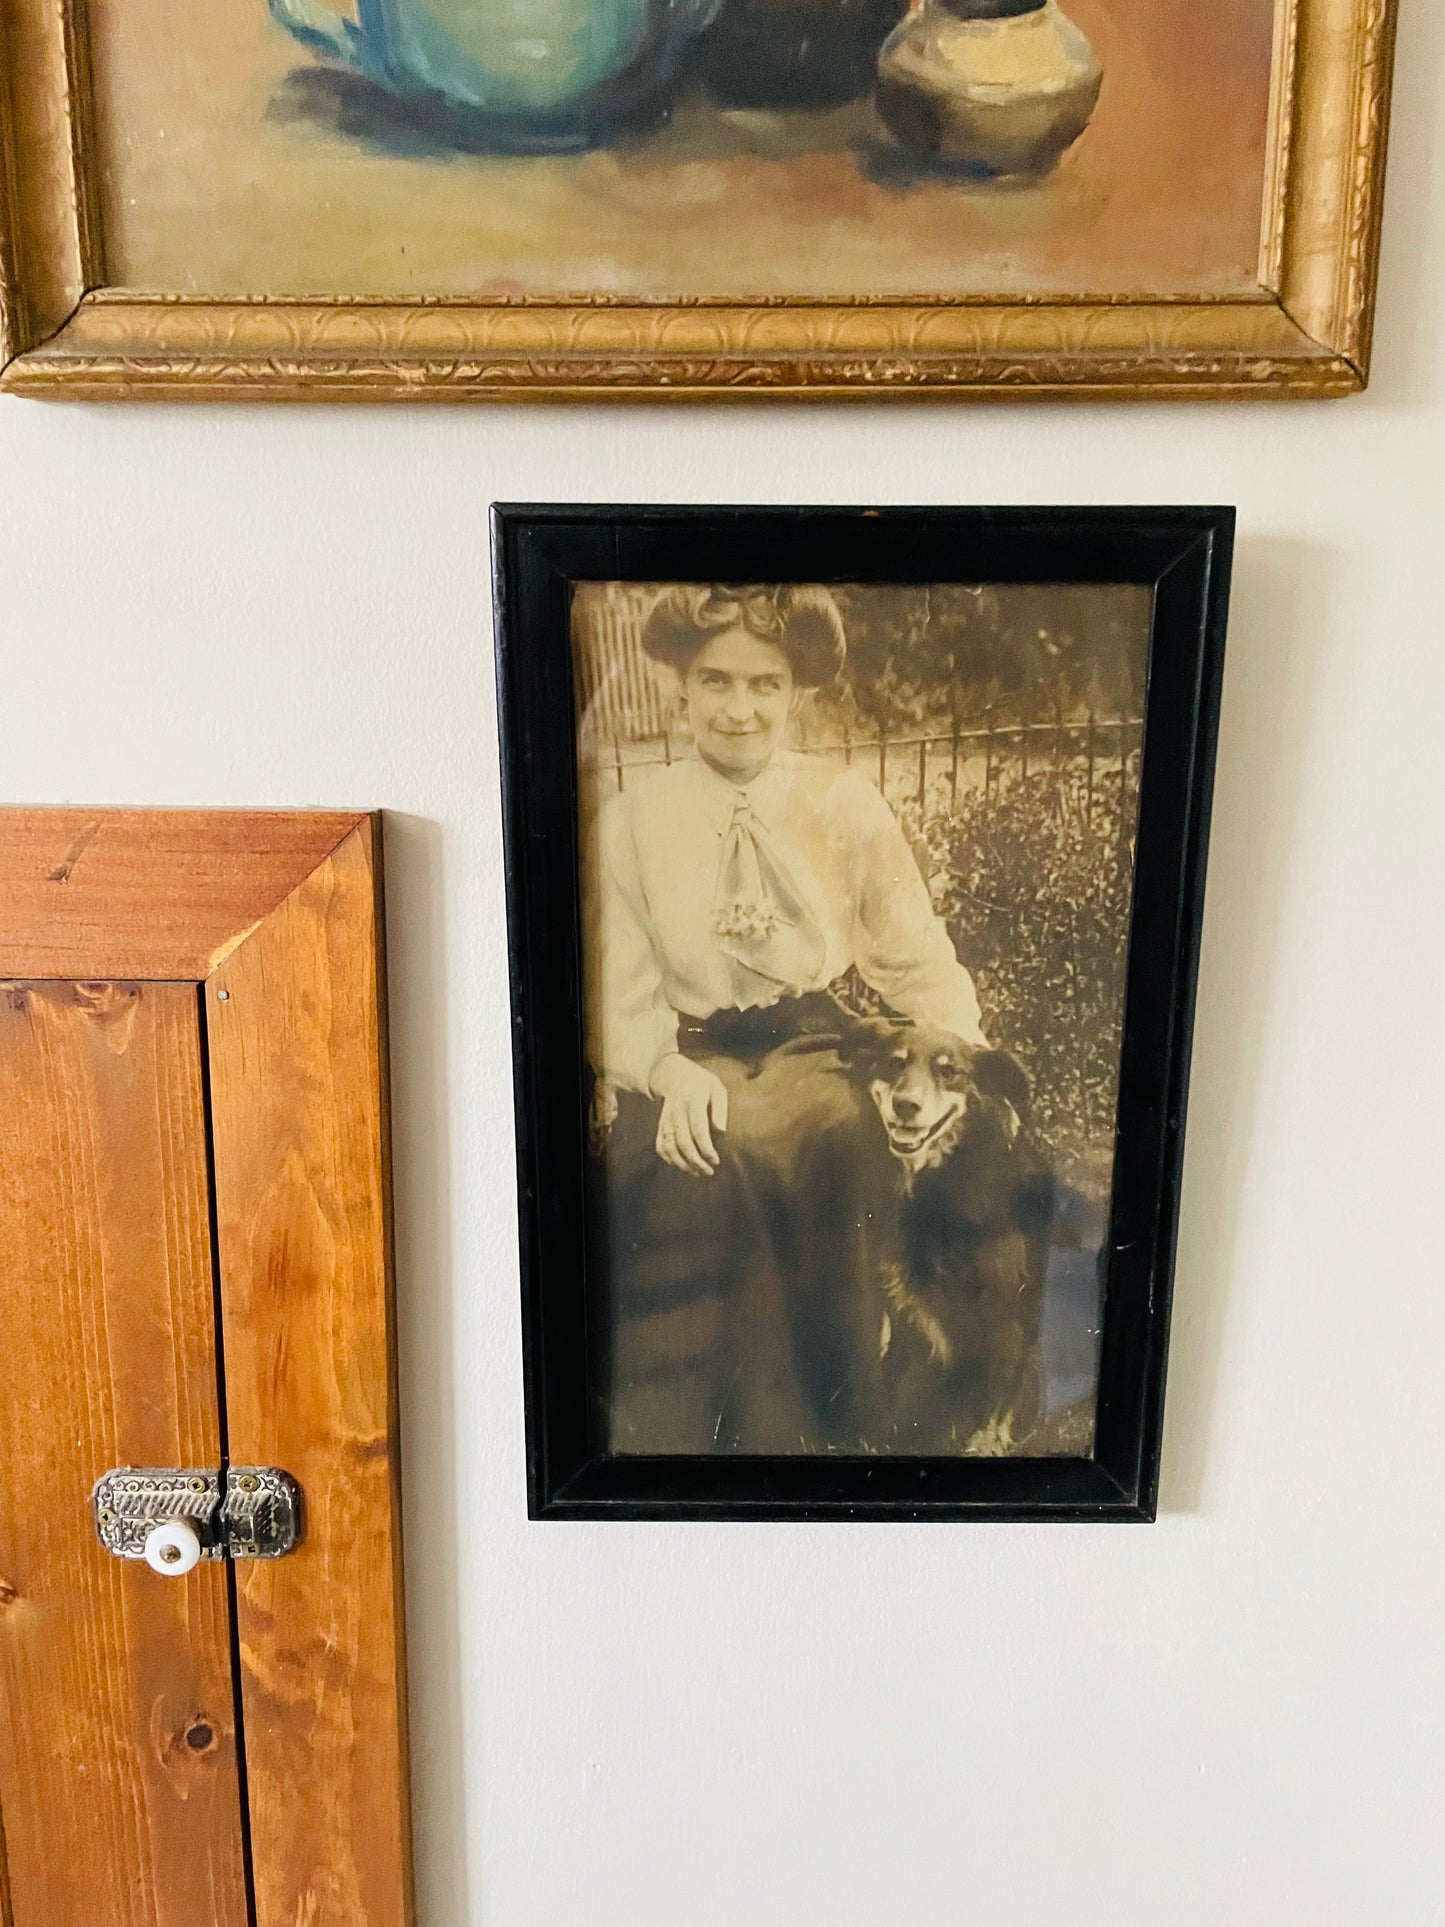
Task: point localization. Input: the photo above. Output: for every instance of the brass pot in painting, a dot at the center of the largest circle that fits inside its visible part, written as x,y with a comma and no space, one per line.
988,86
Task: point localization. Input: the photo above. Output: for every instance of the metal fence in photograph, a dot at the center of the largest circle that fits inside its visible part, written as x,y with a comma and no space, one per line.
928,768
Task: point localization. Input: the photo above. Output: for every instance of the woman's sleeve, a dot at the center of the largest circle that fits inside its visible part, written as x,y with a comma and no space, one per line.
903,950
630,1023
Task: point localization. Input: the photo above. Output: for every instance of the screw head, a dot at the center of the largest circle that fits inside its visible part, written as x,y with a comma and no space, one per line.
196,1485
249,1483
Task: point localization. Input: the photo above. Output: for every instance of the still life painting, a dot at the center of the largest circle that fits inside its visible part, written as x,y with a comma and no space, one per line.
685,148
641,196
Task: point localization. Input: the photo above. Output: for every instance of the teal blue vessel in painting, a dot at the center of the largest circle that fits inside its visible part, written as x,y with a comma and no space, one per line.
520,76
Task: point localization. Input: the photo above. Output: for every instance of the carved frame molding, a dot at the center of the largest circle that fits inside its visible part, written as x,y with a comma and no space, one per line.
1306,332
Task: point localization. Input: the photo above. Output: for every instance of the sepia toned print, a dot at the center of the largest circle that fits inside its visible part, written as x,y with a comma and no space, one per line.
857,875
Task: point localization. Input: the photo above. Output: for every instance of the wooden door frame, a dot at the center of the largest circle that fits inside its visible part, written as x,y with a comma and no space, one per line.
276,917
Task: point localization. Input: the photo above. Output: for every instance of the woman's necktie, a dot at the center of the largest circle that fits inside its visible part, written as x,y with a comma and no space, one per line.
760,916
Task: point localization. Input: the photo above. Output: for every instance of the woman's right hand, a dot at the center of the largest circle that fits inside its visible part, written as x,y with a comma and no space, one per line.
694,1105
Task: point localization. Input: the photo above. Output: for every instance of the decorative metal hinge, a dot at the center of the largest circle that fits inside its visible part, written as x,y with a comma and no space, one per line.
173,1519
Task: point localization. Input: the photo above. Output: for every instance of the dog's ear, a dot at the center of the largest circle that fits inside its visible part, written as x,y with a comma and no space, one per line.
865,1038
998,1073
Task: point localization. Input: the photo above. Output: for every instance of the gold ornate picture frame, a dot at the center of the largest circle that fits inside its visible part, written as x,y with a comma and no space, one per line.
74,324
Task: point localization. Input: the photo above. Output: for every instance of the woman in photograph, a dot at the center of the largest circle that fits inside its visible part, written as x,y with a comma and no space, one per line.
725,894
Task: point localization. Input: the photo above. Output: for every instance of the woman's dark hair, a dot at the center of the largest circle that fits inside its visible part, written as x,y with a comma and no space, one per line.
802,619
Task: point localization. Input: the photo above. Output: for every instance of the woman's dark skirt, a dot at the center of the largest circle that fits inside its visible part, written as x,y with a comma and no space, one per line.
739,1314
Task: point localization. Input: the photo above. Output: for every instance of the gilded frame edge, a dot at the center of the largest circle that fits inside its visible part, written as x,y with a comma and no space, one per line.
1306,333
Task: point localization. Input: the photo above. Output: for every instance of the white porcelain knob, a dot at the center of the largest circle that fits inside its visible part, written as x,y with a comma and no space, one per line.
172,1549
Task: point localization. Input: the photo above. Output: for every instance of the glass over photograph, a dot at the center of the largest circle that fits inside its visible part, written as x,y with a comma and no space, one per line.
857,873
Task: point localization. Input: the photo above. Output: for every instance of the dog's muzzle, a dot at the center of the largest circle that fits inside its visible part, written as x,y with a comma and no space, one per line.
909,1139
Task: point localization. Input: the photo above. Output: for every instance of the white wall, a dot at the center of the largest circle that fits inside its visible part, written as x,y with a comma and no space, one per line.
1232,1718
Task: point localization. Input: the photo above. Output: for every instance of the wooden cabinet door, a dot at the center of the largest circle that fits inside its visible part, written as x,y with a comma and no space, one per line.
194,1272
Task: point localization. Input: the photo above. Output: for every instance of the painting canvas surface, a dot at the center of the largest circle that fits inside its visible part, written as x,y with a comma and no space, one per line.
858,866
242,156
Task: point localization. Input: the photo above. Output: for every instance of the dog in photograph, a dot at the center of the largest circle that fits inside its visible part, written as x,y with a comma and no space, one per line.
961,1241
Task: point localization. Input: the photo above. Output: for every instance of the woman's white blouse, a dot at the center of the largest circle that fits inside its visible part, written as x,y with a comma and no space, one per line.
651,888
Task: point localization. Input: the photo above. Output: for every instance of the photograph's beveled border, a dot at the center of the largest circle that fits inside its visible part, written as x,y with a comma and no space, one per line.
1184,555
66,330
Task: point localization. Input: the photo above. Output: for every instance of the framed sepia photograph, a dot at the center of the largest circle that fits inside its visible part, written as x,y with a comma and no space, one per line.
855,870
480,198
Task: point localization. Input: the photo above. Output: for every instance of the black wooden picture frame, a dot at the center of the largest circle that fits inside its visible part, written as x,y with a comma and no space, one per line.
1183,554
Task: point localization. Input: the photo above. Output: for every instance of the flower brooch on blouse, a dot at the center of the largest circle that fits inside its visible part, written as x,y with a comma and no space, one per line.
745,922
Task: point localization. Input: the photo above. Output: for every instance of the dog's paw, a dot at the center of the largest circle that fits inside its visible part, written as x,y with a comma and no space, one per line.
993,1441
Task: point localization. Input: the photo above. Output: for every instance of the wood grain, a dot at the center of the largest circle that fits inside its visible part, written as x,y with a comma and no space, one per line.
118,1779
297,1057
147,893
